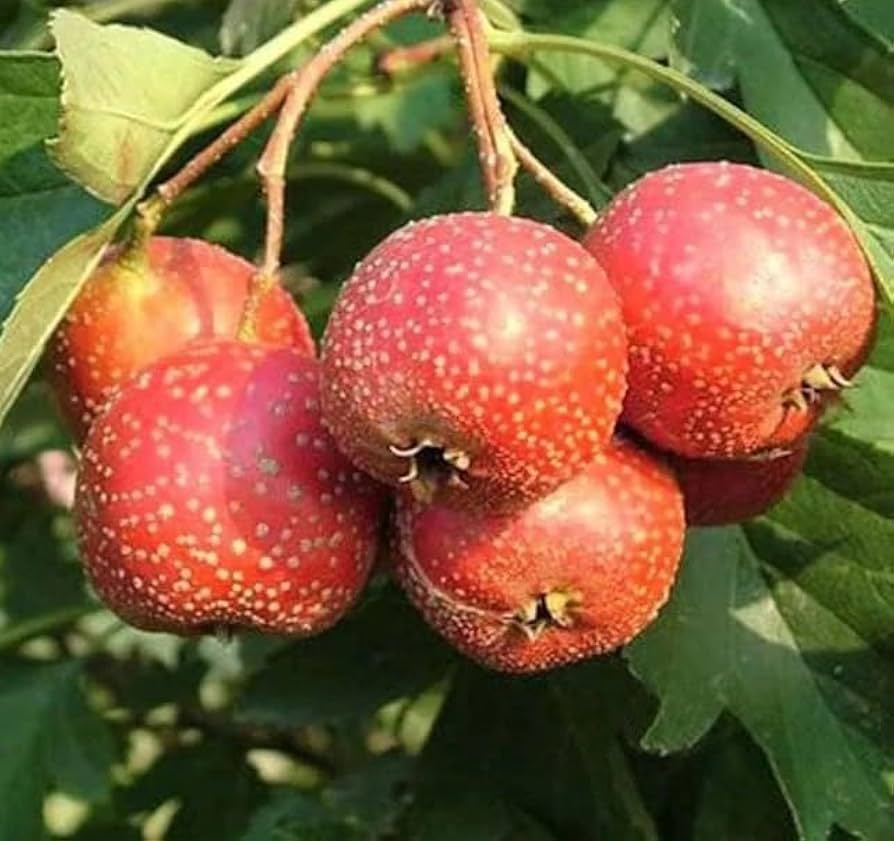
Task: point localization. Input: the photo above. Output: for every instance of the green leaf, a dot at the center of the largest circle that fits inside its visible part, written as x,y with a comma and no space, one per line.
40,209
39,573
248,23
739,797
493,730
379,653
473,815
855,469
408,113
293,816
876,16
373,795
108,100
801,680
42,303
691,133
48,737
808,71
32,426
118,119
639,25
217,789
838,553
868,191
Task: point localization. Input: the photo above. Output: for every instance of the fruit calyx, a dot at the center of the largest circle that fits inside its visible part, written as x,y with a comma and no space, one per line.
816,380
547,610
432,466
550,609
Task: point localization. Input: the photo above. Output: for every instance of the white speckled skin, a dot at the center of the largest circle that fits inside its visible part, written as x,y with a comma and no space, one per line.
499,337
612,535
134,309
735,282
210,496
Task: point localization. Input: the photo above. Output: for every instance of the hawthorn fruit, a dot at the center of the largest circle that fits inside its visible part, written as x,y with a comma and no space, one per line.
748,304
142,303
575,574
210,497
477,358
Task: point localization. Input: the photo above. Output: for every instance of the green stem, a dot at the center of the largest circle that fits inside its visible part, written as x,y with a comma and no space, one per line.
356,176
519,44
39,625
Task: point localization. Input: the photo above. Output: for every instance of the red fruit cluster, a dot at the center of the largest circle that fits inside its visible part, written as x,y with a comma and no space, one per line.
479,365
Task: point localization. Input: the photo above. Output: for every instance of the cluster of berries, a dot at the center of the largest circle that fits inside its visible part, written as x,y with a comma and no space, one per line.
543,417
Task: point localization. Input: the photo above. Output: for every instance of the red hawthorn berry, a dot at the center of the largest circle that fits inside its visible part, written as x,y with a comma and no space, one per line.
211,497
721,491
141,305
478,358
577,573
748,304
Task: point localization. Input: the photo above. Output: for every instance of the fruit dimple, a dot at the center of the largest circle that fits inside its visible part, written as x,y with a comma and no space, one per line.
735,284
135,308
497,339
575,574
211,496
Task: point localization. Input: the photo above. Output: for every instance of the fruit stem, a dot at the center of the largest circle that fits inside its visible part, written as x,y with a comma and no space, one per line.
152,210
300,87
496,155
576,204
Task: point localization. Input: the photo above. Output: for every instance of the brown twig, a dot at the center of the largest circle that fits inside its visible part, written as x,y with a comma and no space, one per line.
577,205
166,193
497,157
400,59
302,86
